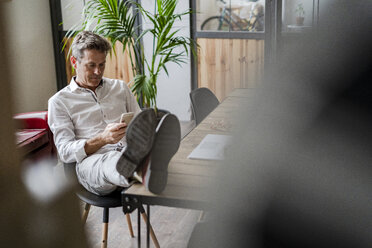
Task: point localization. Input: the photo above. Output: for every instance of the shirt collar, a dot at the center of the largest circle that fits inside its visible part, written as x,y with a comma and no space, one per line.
74,86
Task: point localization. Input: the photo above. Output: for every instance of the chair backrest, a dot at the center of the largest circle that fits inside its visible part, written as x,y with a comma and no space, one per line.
203,102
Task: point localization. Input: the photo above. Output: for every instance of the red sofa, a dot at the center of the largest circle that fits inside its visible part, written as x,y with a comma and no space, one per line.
33,136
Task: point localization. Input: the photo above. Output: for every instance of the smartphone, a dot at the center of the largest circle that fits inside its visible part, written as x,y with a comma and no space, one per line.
127,117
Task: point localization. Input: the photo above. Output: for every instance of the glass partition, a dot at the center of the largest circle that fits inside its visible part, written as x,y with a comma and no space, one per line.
230,15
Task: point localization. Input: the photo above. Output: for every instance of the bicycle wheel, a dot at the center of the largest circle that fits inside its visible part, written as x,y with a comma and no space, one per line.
216,23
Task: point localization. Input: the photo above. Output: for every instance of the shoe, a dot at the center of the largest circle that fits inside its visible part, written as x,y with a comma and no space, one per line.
166,144
140,137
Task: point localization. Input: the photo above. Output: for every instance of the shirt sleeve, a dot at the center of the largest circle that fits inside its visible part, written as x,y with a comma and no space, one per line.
69,149
131,101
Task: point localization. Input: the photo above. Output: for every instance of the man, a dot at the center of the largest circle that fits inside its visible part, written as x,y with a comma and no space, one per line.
84,118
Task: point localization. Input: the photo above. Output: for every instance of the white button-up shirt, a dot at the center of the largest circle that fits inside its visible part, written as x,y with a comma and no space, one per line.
76,114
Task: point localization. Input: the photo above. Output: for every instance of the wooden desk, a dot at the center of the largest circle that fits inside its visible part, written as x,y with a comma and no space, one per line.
188,180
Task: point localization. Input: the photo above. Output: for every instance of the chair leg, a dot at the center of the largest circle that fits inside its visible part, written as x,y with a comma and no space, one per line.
105,227
201,216
129,221
85,213
152,233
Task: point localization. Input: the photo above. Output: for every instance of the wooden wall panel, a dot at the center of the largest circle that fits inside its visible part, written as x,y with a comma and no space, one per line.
117,66
225,64
69,72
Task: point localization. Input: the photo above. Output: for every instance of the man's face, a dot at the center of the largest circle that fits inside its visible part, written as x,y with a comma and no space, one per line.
89,70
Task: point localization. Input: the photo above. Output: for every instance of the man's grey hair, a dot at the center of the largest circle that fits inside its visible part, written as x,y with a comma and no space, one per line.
88,40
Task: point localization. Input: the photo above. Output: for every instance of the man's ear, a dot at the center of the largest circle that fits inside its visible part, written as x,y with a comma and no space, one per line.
73,61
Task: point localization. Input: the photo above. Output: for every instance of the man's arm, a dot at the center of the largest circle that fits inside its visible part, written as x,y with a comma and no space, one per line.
131,102
60,123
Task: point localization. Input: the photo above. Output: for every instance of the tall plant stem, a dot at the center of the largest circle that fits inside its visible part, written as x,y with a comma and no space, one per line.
153,43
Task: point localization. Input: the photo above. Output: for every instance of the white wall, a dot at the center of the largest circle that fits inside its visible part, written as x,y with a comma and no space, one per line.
173,91
31,56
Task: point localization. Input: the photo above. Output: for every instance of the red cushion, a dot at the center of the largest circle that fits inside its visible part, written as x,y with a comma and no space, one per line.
32,120
31,139
34,137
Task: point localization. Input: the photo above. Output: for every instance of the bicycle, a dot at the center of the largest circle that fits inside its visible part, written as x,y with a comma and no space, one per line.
230,21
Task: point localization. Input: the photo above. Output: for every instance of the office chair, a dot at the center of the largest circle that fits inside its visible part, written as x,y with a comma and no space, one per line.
203,101
106,202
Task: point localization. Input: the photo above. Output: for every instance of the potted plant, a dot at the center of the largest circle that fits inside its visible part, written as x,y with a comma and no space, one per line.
300,14
116,20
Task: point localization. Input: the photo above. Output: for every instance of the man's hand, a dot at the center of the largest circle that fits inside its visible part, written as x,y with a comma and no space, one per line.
112,134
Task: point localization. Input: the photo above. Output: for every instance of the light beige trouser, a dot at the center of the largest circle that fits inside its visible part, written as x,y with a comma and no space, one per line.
98,174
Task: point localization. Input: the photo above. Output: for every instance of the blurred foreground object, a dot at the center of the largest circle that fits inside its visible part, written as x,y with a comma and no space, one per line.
300,171
26,219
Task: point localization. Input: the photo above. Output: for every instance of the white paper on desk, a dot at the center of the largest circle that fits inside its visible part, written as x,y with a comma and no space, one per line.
212,147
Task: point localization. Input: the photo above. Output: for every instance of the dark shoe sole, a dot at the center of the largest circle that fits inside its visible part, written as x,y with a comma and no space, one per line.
166,144
140,138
